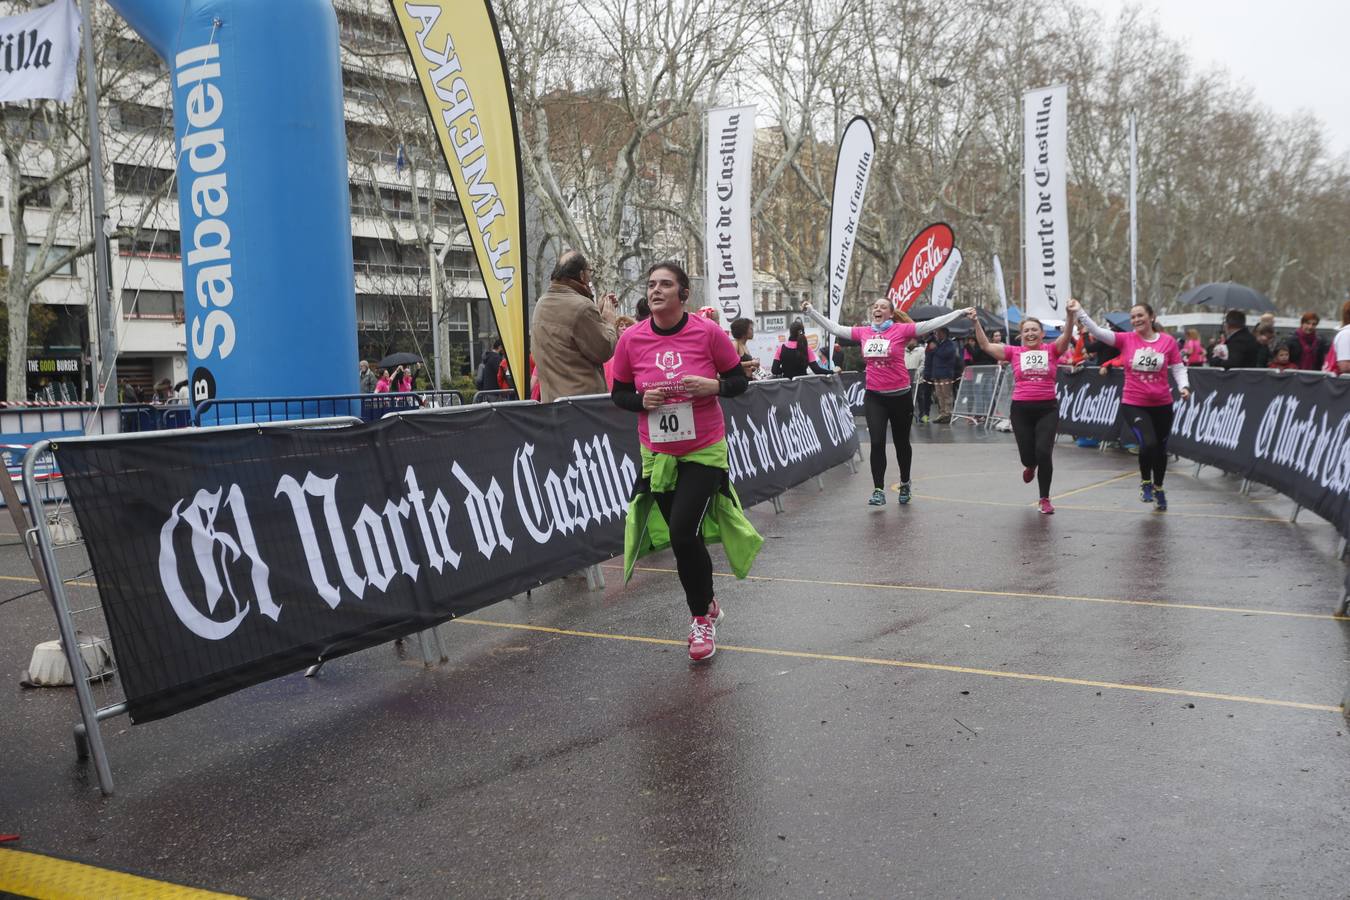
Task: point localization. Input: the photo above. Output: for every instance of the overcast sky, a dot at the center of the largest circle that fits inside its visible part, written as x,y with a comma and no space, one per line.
1295,54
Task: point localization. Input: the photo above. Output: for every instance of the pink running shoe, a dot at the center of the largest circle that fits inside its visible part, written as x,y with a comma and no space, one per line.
1046,508
715,612
702,638
1028,473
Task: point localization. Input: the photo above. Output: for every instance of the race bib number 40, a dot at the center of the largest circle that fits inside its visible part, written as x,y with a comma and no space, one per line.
672,422
876,348
1035,362
1146,360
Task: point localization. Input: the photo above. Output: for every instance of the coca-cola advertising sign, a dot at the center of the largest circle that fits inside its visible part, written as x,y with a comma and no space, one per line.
920,264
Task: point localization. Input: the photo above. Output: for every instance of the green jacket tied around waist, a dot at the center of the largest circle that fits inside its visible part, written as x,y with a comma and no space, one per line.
645,530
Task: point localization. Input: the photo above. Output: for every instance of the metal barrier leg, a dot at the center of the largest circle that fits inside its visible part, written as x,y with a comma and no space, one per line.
81,735
595,579
314,669
1340,549
1294,518
778,504
1246,486
1198,467
852,466
432,652
820,482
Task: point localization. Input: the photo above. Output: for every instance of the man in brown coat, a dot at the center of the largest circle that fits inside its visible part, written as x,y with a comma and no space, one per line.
571,335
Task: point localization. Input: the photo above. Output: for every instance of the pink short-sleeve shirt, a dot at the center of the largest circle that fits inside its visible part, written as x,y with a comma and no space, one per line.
658,362
884,355
1146,368
1033,371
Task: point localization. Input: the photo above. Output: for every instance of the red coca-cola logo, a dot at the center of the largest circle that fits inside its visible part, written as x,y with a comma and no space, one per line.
920,264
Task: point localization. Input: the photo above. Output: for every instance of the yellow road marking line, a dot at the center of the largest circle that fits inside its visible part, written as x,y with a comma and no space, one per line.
906,664
32,875
1097,484
1147,511
1246,611
28,579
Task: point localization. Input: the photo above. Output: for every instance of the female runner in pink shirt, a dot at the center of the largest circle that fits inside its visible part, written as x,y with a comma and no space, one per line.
887,399
1146,403
1035,411
670,369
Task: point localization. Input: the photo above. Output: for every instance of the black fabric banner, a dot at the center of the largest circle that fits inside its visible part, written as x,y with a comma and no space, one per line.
1288,431
227,558
1089,403
853,390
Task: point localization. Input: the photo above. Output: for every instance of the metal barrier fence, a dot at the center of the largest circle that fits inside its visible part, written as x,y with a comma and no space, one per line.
56,533
365,407
975,393
53,536
496,397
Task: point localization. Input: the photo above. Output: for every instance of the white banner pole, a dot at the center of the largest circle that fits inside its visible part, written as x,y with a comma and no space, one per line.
857,149
1002,297
1045,211
730,274
1134,213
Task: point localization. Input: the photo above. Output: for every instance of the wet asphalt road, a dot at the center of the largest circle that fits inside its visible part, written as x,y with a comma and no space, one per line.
1023,756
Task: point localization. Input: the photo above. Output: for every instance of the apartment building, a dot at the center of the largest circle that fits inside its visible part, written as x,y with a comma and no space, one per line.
403,209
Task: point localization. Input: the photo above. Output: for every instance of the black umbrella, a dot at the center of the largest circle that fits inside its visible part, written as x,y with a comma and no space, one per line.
1120,321
398,359
925,311
1227,295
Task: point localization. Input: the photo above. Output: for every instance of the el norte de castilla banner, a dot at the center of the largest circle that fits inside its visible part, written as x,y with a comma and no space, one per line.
1045,216
225,558
730,281
857,149
457,55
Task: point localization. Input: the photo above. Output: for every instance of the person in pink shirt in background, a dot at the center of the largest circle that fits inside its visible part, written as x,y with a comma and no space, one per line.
887,400
1148,356
621,324
1193,351
1035,411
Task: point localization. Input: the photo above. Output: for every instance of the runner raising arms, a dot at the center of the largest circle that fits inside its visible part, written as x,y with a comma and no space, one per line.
1035,412
1146,403
670,369
887,398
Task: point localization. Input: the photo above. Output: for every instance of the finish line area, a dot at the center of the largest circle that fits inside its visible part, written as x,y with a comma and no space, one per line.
958,697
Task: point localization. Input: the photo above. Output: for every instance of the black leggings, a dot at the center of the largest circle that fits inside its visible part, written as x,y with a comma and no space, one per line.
683,509
1033,424
897,410
1151,427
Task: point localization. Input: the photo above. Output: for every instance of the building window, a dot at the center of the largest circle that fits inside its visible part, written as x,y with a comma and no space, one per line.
372,311
159,244
144,180
53,254
153,305
134,54
376,256
138,117
40,198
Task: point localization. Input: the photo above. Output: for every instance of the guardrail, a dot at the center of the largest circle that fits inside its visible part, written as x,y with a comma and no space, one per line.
442,500
366,407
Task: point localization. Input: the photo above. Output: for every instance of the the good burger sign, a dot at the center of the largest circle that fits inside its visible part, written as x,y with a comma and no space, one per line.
920,264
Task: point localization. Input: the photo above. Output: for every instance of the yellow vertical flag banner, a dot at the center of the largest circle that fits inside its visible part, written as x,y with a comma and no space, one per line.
457,54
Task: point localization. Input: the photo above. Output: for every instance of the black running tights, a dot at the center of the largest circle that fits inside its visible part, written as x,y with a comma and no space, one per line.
1033,424
1151,427
897,410
683,509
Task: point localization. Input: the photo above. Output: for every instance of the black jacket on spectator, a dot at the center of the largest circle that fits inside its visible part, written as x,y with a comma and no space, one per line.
1296,351
1242,351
